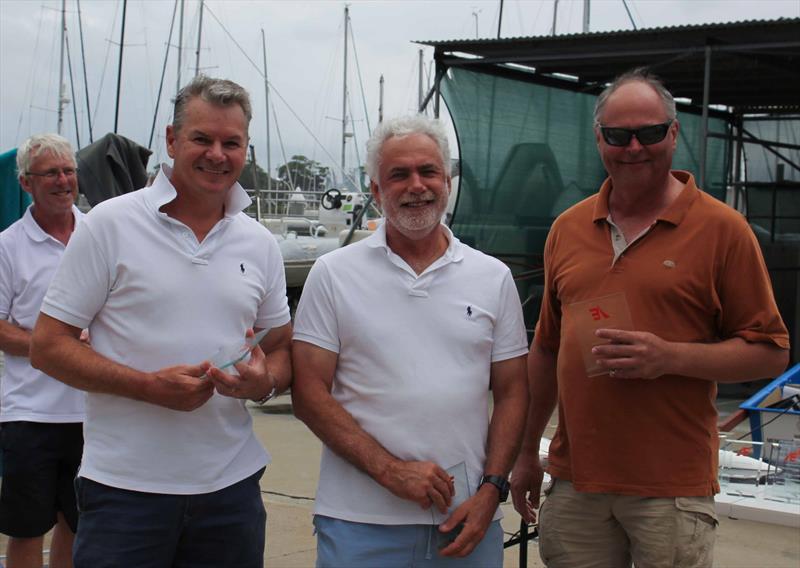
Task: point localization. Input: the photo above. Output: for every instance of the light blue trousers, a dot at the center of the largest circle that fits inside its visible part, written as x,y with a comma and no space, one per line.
362,545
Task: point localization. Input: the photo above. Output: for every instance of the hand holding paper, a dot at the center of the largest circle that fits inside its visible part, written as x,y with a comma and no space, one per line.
589,316
633,354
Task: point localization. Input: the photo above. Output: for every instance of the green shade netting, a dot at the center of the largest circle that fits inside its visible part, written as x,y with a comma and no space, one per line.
13,200
528,153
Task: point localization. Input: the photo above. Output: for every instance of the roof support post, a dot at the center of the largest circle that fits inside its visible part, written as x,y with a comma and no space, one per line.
706,96
737,165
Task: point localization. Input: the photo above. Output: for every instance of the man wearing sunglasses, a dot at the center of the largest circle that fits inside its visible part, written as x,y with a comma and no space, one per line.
41,437
634,458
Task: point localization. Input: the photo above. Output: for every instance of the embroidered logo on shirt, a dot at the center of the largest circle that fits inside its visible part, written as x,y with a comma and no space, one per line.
669,263
241,267
469,311
598,313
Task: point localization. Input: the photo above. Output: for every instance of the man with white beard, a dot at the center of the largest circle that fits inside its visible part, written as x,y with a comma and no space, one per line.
398,341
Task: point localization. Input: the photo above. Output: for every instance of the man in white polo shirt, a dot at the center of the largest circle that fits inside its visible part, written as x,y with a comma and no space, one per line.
399,339
163,277
41,437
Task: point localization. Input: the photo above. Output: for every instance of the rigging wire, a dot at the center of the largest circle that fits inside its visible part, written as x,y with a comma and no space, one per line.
72,89
163,74
52,73
31,75
150,86
630,16
638,14
536,18
283,150
105,63
85,80
273,89
361,84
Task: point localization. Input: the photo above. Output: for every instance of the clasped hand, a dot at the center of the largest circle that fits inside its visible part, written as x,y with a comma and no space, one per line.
253,380
633,354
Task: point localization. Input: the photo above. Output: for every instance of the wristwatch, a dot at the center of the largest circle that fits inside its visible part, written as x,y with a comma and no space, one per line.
270,395
498,481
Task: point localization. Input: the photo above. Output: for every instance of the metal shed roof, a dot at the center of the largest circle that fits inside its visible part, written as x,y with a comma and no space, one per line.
754,65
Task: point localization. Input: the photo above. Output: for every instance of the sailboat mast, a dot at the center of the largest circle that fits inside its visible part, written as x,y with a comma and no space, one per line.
344,90
85,80
119,67
419,85
61,67
586,12
555,17
180,48
199,34
380,101
266,97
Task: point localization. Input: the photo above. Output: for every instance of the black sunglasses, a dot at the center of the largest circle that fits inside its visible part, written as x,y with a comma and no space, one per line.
646,135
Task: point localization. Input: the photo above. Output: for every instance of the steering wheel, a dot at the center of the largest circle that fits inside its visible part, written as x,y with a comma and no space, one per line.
331,199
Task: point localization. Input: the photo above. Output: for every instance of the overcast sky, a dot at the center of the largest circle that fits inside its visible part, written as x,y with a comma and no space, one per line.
304,58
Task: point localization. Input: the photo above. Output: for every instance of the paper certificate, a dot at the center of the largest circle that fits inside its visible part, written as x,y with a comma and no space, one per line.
608,312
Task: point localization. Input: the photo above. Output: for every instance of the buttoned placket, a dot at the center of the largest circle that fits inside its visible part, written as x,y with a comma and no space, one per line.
418,284
199,252
618,241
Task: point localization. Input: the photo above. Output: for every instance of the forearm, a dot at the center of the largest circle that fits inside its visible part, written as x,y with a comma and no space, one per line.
60,353
14,340
543,389
730,361
508,421
338,430
280,367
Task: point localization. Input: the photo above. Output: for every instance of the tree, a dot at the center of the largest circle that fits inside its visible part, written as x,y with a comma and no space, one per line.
260,181
302,172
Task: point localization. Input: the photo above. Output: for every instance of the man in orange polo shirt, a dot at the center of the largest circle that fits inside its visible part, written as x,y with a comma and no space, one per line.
634,458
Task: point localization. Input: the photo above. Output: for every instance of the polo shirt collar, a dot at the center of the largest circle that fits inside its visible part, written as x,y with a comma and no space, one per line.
162,192
34,231
673,215
454,252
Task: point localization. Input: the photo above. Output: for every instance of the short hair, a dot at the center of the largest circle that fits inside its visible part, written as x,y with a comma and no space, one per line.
220,92
642,75
405,126
38,144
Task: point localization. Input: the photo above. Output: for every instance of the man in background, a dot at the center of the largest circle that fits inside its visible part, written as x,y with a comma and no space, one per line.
41,432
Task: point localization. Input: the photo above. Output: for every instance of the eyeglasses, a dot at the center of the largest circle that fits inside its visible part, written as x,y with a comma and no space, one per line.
52,175
646,135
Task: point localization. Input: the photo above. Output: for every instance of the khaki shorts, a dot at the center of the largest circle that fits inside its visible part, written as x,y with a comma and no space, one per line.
603,530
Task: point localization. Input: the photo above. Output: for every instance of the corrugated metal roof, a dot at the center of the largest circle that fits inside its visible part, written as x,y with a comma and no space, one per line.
608,33
755,64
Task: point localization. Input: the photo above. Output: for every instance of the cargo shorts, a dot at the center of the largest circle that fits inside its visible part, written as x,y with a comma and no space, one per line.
603,530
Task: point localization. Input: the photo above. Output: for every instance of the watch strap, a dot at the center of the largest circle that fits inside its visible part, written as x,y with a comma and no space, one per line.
500,482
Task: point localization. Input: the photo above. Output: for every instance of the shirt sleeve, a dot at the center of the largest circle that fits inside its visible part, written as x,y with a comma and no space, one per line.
509,339
6,279
82,282
748,304
274,309
315,321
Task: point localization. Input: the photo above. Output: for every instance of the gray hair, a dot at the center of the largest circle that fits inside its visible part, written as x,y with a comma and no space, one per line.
642,75
220,92
404,126
38,144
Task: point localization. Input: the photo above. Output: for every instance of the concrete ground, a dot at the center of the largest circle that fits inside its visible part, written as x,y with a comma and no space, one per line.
290,481
289,484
